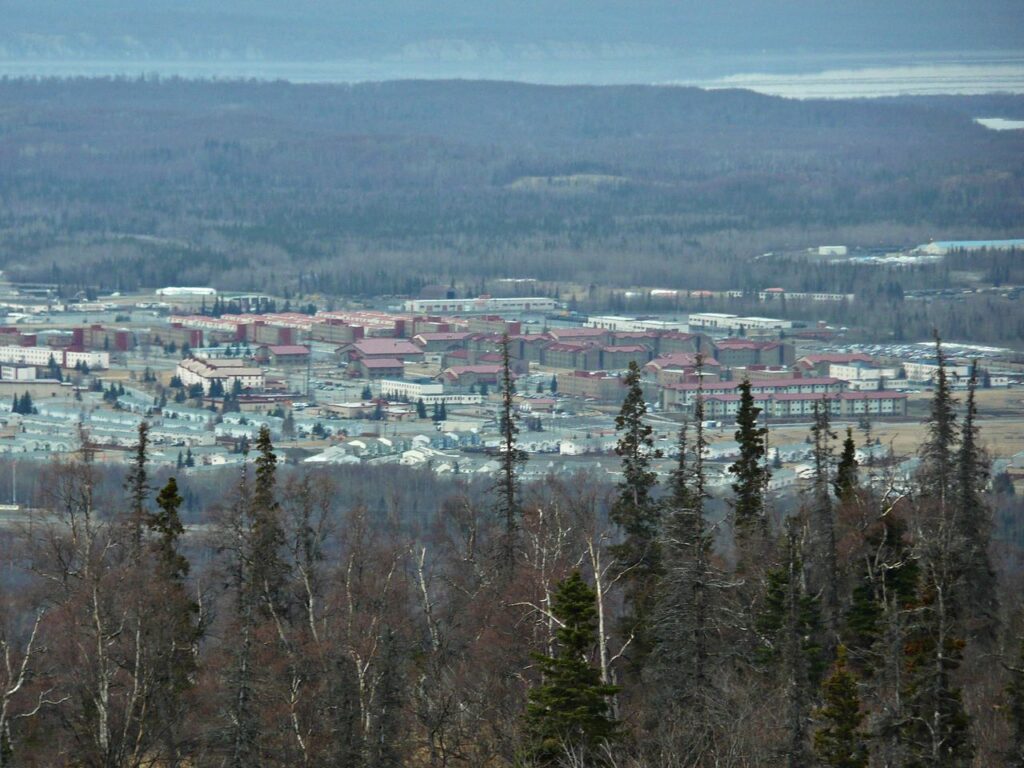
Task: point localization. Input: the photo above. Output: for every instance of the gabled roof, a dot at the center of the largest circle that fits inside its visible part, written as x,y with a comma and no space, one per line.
377,347
441,336
838,357
873,395
744,344
681,360
759,384
458,370
626,348
288,349
576,333
805,381
559,346
594,375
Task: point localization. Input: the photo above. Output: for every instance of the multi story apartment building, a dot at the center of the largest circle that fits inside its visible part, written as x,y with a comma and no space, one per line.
227,371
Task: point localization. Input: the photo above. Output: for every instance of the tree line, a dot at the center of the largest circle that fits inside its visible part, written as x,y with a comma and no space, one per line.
337,190
873,625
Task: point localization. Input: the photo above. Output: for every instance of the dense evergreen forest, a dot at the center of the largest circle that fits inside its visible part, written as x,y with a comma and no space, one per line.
125,184
877,622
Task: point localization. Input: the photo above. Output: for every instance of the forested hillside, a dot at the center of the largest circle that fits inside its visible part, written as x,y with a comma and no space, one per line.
873,621
382,188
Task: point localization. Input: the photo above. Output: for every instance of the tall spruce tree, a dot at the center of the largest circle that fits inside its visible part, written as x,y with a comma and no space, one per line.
267,533
638,515
512,458
882,608
884,585
569,711
140,620
974,526
937,728
789,625
846,480
751,477
936,475
683,699
137,487
173,627
241,738
823,570
839,741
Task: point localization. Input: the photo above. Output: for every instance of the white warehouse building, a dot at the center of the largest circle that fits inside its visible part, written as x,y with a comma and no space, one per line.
412,390
481,305
40,356
724,322
925,371
186,291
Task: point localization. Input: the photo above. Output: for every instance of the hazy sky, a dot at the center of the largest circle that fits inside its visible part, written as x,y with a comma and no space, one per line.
484,37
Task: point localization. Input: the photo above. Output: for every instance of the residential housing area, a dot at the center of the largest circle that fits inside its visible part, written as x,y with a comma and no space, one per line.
419,382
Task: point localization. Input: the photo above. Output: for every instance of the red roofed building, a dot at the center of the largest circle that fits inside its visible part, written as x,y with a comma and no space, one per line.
335,331
528,346
98,337
378,368
494,324
283,355
592,335
681,396
466,376
734,353
13,337
431,324
166,335
873,403
677,341
679,360
648,338
599,385
441,341
801,406
382,349
583,357
619,358
536,404
819,364
455,357
681,367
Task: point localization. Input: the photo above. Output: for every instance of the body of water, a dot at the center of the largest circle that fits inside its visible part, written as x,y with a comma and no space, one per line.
871,82
799,76
1000,123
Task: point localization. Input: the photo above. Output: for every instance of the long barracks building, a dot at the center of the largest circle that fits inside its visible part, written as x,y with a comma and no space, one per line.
681,396
800,406
482,305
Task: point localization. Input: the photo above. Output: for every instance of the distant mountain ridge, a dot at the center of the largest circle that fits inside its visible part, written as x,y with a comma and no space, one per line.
466,38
